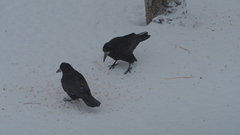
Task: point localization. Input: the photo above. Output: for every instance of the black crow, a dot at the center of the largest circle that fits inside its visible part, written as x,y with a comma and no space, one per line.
76,86
121,48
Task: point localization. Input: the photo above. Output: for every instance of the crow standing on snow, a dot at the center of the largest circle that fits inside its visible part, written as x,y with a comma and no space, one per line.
76,86
121,48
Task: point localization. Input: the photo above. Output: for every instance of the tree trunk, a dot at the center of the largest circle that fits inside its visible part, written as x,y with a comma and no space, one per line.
155,8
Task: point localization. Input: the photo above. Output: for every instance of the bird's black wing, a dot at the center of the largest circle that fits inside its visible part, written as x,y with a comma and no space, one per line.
124,45
129,43
75,84
132,40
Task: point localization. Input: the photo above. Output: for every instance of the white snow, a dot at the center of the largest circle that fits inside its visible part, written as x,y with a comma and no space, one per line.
185,82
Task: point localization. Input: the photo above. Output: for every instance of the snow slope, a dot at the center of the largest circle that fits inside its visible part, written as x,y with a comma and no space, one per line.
185,82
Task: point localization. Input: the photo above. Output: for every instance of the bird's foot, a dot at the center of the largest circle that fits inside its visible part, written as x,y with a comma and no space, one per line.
128,70
67,100
113,65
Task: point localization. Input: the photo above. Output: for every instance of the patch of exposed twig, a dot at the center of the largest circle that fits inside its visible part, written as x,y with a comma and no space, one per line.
32,103
185,49
182,77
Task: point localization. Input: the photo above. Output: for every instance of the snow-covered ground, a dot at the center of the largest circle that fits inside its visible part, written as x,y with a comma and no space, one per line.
185,82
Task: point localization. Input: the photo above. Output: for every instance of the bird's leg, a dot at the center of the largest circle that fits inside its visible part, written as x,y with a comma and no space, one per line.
129,69
113,65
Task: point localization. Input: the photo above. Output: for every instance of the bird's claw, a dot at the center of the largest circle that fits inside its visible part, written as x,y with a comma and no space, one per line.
67,100
128,70
113,65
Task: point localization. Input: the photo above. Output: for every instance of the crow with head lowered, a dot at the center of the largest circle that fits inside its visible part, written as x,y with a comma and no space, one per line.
121,48
76,86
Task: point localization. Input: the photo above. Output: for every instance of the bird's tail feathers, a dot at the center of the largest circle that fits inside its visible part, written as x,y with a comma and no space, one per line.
143,36
91,101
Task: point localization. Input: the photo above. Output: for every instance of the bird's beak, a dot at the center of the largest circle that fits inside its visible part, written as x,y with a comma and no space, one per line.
105,55
59,70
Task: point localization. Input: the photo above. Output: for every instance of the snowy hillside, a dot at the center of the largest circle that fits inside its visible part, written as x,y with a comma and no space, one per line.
185,82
